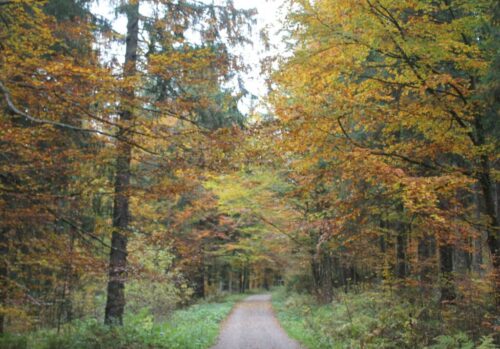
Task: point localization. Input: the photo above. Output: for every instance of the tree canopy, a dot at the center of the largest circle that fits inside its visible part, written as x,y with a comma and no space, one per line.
130,177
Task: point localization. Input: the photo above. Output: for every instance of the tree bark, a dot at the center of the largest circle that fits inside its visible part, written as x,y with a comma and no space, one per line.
477,241
400,253
425,253
321,266
3,276
490,206
199,289
446,266
400,228
115,303
241,280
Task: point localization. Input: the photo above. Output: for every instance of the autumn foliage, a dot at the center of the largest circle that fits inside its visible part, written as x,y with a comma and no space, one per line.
390,119
131,180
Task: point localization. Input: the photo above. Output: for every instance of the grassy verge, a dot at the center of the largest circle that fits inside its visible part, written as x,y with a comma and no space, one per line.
367,320
196,327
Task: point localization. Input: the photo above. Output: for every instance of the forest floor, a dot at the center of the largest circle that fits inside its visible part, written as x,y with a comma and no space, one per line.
253,325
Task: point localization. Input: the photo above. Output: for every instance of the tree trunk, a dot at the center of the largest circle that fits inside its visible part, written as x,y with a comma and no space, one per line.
446,266
241,280
246,278
477,242
115,303
490,205
401,265
199,291
425,253
315,271
321,266
3,276
266,282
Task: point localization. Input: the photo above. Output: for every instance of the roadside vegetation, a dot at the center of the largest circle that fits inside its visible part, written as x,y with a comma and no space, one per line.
369,319
195,327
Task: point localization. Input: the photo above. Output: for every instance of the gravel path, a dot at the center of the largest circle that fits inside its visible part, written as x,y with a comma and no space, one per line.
252,325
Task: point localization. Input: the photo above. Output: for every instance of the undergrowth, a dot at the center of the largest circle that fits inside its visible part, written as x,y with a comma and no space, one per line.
195,327
366,320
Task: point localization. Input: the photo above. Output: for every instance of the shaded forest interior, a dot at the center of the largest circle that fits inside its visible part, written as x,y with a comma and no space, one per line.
136,182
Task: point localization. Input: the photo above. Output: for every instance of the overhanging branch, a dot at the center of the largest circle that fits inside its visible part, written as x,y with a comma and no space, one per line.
15,110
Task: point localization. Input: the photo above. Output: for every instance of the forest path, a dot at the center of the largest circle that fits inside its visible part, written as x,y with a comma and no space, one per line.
252,325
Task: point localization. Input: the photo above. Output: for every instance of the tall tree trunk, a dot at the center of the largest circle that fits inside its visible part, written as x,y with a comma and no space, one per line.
425,253
490,205
200,278
266,283
327,277
3,276
316,275
246,277
321,266
241,280
115,303
446,266
477,242
401,242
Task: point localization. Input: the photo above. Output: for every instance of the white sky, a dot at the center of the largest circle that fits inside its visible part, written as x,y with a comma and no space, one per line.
269,15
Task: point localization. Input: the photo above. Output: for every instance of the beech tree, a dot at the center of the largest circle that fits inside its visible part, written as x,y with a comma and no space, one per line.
382,100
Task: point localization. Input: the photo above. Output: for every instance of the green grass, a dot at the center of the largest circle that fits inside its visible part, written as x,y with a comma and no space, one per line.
367,320
196,327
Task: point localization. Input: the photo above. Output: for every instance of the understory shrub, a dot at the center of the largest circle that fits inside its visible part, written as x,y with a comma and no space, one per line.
195,327
374,319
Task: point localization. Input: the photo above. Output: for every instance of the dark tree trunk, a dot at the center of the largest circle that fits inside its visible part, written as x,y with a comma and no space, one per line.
400,251
209,274
446,267
226,277
425,253
490,205
199,288
327,278
115,303
321,266
245,278
490,208
477,256
315,273
266,283
241,280
477,242
3,276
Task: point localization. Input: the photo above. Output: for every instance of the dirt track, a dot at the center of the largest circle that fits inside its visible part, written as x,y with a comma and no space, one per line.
252,325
